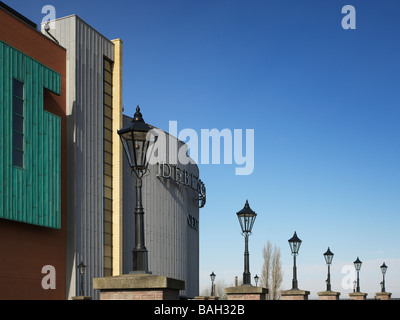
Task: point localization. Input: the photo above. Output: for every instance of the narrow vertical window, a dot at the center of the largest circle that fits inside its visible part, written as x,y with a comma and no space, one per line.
107,155
18,124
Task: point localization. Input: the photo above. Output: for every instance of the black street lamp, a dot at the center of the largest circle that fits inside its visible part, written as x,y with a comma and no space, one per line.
246,218
383,269
294,244
328,255
256,278
357,265
212,276
136,142
81,268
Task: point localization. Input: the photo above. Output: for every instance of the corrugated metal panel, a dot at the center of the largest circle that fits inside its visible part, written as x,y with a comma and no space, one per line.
86,49
31,194
172,244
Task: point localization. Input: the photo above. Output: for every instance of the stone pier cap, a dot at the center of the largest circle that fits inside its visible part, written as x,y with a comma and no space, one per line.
137,281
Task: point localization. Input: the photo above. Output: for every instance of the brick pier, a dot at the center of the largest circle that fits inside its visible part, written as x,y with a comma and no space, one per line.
138,287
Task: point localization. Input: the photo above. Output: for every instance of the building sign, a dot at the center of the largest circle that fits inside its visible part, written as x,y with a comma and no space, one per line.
193,222
181,176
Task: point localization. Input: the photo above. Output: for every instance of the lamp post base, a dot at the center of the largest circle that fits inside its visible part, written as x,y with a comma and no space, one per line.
358,296
138,287
246,279
140,262
246,292
328,295
383,296
295,294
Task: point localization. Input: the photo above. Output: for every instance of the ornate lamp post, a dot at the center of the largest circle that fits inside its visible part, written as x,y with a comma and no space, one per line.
328,255
136,142
81,268
246,218
383,269
294,244
357,265
212,276
256,278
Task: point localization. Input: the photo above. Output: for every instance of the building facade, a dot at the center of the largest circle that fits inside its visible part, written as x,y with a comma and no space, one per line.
100,223
67,195
94,114
32,160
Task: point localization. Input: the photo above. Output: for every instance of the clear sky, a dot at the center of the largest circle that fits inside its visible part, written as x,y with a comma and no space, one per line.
324,105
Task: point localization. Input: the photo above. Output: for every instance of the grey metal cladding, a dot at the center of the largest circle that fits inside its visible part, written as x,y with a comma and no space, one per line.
86,49
172,244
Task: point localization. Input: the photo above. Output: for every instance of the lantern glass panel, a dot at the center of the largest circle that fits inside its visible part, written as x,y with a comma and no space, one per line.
212,276
139,148
246,218
127,150
357,264
328,257
294,244
383,268
81,268
246,222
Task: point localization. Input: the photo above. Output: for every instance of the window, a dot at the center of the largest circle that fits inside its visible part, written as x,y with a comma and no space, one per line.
107,173
18,124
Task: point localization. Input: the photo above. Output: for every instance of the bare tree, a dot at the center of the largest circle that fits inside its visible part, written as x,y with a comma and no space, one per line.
276,274
219,289
271,273
265,271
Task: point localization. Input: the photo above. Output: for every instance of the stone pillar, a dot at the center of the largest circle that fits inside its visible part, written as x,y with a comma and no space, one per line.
383,296
138,287
295,294
358,296
328,295
246,292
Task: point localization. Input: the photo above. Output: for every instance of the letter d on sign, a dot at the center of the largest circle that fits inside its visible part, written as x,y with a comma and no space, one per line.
49,280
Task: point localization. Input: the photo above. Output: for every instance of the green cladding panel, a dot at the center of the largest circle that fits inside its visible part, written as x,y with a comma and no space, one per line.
31,193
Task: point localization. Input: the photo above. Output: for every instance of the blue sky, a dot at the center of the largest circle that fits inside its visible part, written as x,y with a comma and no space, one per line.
324,104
